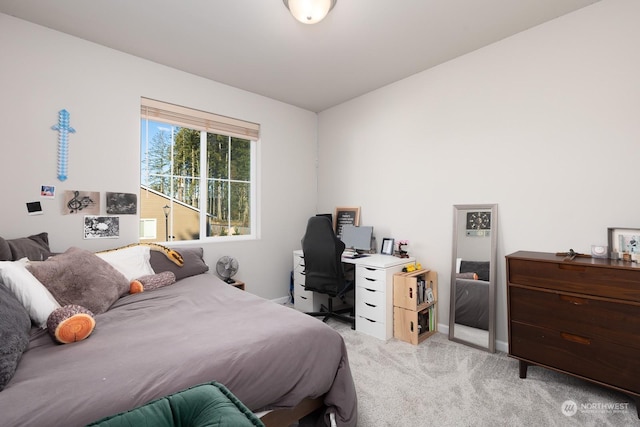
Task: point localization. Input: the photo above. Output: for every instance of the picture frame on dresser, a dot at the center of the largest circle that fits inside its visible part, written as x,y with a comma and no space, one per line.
387,246
623,240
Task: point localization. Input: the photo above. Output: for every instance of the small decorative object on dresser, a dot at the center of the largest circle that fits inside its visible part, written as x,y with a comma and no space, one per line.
580,317
402,252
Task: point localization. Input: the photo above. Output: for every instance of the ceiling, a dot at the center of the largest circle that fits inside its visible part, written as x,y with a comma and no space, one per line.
256,45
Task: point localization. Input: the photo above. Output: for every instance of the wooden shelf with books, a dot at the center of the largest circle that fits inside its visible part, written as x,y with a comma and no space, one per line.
415,299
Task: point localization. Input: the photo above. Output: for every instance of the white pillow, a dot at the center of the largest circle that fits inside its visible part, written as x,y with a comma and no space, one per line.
30,292
132,262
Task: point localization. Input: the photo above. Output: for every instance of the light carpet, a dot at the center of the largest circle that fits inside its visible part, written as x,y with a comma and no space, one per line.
443,383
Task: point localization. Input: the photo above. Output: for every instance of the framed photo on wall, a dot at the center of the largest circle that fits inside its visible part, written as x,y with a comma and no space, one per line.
101,227
345,216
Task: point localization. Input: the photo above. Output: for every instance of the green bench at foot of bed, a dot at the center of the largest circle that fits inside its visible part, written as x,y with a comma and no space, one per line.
205,405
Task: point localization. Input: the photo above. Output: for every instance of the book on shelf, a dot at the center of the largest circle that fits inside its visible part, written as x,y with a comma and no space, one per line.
429,295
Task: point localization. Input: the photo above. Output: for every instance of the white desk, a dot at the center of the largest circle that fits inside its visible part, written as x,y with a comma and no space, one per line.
373,291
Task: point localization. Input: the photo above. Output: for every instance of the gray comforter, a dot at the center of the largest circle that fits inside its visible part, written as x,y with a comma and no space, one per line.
155,343
472,303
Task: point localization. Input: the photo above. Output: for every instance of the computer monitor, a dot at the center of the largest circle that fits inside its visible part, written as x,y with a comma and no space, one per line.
358,238
327,215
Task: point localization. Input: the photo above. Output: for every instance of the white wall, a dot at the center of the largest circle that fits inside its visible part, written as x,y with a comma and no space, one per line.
43,71
545,123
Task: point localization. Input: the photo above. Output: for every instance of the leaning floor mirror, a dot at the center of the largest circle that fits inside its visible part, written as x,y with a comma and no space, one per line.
472,316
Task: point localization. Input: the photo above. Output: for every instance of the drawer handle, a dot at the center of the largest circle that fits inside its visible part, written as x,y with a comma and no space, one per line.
370,305
411,326
370,290
302,297
574,300
575,338
571,267
371,280
411,296
372,321
370,269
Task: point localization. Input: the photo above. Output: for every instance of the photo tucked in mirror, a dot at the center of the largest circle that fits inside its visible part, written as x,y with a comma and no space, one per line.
473,276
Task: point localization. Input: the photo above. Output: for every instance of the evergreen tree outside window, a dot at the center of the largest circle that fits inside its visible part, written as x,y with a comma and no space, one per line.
200,168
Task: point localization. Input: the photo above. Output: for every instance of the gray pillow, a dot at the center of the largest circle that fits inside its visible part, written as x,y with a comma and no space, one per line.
481,268
82,278
5,250
35,247
14,334
193,262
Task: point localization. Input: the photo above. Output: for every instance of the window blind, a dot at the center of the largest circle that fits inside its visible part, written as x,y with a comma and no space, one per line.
195,119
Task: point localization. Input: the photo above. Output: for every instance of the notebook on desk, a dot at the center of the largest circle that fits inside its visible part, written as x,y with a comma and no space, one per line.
348,253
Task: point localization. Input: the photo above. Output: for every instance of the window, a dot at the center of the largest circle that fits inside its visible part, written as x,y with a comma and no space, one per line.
197,174
148,228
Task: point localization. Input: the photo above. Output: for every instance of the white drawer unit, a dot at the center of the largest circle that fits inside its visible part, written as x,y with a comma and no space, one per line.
303,300
373,291
374,294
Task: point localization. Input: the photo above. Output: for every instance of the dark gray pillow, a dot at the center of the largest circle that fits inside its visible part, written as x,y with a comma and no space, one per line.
193,262
82,278
35,247
5,250
481,268
15,325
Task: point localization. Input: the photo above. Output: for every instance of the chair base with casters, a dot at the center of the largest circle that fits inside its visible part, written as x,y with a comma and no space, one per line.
329,312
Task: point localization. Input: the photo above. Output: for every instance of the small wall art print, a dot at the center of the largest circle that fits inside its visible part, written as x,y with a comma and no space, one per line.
122,203
101,227
85,202
48,191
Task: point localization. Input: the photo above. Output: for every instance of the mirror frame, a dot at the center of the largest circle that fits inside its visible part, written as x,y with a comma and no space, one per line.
493,264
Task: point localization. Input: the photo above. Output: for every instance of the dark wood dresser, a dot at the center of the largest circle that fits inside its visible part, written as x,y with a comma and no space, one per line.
580,317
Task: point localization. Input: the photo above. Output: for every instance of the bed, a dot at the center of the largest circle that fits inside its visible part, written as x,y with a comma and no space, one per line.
472,294
197,330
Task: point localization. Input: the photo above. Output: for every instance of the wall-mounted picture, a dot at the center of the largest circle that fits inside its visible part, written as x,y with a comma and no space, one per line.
101,227
122,203
345,216
387,246
47,191
34,208
624,240
85,202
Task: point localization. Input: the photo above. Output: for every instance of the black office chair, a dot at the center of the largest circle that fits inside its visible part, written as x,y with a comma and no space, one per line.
323,269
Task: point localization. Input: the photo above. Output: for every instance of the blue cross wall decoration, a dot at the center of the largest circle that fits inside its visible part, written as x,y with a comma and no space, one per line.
64,130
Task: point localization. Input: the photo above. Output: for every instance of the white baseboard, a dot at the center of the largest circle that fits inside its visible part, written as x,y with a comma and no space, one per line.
281,300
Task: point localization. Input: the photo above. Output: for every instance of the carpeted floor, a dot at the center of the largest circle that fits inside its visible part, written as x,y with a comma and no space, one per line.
443,383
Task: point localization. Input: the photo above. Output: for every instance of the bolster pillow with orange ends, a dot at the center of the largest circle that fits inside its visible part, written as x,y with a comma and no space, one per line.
70,323
152,281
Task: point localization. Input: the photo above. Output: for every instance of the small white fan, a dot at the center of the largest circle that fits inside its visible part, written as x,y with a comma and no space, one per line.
227,267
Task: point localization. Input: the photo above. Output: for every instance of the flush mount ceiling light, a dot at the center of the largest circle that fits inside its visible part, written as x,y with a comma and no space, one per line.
309,11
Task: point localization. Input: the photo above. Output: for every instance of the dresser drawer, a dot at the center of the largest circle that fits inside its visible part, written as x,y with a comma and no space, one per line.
371,327
303,301
587,356
371,304
578,277
371,278
617,322
371,273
